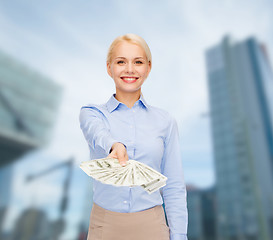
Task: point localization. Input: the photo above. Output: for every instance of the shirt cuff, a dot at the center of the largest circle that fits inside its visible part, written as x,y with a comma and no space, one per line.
177,236
109,145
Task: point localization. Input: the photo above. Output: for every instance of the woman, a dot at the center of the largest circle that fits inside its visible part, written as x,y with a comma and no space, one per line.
126,127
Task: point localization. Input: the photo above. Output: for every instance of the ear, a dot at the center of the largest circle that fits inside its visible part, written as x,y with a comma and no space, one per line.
108,65
149,68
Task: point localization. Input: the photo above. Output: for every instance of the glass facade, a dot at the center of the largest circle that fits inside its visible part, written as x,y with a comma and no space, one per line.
28,107
202,210
241,126
195,226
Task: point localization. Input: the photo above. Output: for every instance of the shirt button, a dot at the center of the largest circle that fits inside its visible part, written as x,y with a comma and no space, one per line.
124,201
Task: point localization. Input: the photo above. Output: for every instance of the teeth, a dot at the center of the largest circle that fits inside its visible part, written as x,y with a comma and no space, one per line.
129,79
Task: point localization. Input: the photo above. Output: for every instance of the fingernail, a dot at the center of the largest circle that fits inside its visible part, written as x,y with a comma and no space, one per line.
123,164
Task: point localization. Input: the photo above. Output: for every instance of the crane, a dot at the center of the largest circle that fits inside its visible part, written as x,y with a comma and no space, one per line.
59,224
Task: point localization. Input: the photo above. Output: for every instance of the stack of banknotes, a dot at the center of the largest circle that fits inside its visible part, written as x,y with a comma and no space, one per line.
134,173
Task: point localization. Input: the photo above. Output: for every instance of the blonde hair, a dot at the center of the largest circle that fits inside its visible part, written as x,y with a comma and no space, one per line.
130,38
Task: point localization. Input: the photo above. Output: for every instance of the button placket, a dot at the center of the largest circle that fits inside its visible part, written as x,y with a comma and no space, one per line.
130,134
134,132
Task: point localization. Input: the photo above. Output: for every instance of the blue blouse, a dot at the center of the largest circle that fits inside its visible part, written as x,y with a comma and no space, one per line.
151,136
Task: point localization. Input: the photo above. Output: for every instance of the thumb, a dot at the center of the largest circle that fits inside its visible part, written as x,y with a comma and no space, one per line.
122,160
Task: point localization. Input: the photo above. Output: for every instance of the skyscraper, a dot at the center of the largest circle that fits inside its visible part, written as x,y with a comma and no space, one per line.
240,84
29,104
194,204
201,207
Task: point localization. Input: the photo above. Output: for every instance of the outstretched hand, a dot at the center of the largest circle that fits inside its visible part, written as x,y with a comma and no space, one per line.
119,151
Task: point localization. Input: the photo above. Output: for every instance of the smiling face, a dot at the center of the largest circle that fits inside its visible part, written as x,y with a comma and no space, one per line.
129,68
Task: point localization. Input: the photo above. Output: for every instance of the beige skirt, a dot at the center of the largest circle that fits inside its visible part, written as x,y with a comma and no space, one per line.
149,224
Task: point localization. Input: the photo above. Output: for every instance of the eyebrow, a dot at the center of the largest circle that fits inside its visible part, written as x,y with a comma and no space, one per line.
134,58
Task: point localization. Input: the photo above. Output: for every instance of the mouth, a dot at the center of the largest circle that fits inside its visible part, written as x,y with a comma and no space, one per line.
129,79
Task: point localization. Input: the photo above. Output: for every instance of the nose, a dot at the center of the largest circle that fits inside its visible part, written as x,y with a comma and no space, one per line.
130,68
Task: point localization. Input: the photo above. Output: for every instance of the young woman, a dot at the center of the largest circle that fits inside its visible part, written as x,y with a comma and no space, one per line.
126,127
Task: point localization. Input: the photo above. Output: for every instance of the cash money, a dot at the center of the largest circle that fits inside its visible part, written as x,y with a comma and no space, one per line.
134,173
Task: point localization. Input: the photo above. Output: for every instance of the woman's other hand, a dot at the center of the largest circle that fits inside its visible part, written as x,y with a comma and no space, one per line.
119,151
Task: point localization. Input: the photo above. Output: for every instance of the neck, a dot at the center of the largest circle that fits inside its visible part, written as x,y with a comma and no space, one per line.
128,99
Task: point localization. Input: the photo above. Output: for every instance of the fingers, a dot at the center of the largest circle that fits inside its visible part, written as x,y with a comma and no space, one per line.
119,151
112,155
123,157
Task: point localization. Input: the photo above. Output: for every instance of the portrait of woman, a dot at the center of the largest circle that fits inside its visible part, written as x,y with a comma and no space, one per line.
127,127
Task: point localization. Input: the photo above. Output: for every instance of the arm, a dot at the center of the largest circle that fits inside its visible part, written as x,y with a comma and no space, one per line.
174,193
98,135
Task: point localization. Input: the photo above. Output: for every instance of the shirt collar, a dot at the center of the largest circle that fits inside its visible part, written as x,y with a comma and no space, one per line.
142,100
113,103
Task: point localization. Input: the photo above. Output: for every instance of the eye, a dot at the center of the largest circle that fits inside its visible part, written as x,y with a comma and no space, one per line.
120,62
139,62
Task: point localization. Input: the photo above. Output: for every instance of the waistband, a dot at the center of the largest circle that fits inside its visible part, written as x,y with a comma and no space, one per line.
140,213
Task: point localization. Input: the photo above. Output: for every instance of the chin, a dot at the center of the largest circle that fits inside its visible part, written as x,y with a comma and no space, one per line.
129,90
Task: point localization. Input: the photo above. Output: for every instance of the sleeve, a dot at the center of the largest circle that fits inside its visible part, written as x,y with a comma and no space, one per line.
174,193
94,129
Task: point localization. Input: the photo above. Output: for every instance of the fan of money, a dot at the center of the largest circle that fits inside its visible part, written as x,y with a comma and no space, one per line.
109,171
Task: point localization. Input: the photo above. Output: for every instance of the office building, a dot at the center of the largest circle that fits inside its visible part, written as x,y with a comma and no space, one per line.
29,103
202,212
32,224
28,106
208,206
194,204
240,85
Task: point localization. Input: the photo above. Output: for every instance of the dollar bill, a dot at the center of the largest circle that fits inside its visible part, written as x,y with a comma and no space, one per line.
134,173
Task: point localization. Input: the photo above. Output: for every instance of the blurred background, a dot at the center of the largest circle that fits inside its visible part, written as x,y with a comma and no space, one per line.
211,70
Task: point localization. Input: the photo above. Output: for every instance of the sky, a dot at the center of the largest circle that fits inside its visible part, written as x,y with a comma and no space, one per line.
67,41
